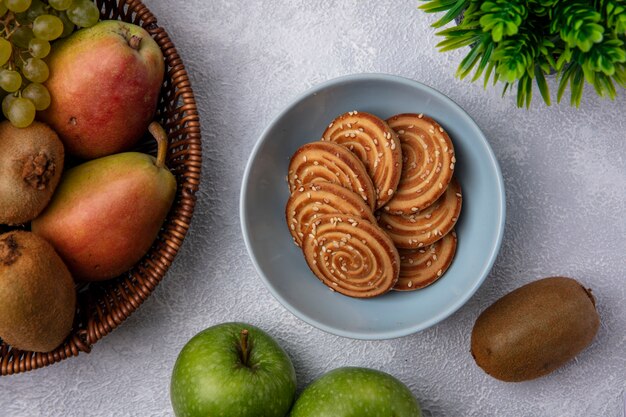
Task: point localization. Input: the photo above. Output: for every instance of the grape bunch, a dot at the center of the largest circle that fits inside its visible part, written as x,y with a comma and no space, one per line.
27,28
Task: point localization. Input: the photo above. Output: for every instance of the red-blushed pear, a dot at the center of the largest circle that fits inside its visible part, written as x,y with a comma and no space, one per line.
106,213
104,83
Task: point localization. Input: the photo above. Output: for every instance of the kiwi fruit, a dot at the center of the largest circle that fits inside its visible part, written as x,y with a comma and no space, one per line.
535,329
31,163
37,294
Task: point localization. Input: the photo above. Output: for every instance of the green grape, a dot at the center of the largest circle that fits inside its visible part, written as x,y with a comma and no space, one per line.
37,8
38,94
22,36
17,6
60,4
83,13
20,112
6,103
10,81
38,48
68,26
3,94
31,26
35,70
47,27
5,51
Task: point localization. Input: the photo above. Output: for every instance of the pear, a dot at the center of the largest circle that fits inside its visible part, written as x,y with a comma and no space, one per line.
104,83
107,212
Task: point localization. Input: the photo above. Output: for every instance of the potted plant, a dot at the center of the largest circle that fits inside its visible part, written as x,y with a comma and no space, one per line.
521,41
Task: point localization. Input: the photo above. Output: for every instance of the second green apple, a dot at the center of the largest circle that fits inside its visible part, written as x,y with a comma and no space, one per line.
356,392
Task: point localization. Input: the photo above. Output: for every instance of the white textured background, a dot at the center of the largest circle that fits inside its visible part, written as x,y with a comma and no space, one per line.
565,175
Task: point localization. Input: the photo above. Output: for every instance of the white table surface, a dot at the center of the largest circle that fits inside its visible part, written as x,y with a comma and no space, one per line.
565,175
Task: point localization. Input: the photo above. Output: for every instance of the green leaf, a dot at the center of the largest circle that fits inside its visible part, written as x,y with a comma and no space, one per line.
506,87
488,73
529,92
564,58
598,86
469,61
595,32
567,74
502,17
451,44
521,94
620,75
576,87
457,31
608,84
455,11
486,55
589,73
437,6
457,38
543,86
496,33
510,28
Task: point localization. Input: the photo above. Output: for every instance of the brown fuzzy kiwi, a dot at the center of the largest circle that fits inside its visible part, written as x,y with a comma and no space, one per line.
535,329
37,294
31,162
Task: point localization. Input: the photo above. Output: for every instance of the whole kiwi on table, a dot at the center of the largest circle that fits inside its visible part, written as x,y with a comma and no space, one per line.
535,329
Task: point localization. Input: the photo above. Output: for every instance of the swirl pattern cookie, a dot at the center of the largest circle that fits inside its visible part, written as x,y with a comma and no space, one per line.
421,267
351,256
427,163
329,162
375,144
428,226
321,198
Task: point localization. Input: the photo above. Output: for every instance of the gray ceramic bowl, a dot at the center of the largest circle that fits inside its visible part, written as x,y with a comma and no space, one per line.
280,263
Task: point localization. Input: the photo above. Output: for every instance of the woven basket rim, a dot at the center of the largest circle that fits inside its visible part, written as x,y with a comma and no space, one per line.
104,306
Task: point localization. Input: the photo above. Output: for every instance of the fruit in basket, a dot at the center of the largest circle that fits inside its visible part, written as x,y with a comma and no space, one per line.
31,162
363,392
535,329
28,28
106,213
105,83
234,370
37,296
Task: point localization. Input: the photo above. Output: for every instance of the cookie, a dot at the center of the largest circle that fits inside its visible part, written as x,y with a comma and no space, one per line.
421,267
351,256
321,198
427,163
376,145
329,162
425,227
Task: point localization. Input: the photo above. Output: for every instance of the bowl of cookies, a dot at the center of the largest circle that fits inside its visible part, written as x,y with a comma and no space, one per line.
372,207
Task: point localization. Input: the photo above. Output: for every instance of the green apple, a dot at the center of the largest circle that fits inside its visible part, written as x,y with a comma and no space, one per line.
356,392
232,370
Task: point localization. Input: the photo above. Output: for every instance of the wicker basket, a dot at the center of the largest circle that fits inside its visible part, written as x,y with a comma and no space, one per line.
104,306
